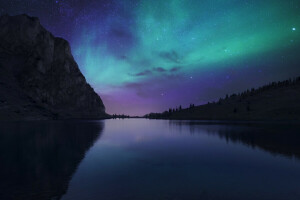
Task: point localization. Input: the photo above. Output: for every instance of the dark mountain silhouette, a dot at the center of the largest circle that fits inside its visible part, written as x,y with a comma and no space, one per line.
39,78
38,158
275,101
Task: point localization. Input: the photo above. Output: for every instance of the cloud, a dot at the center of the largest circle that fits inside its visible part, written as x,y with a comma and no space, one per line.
174,69
171,56
159,69
143,73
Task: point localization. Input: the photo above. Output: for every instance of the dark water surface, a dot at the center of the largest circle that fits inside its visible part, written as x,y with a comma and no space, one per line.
149,159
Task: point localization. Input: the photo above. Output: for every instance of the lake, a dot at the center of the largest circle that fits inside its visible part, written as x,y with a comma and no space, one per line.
136,159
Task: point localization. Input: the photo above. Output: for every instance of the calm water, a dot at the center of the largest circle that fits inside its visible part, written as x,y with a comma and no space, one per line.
138,159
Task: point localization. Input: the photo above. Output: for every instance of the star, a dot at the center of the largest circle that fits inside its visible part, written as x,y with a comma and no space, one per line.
294,29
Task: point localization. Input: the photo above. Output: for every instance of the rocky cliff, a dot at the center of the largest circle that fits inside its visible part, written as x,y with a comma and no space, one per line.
39,78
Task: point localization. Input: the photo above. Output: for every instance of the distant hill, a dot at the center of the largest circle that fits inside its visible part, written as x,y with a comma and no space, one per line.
39,78
275,101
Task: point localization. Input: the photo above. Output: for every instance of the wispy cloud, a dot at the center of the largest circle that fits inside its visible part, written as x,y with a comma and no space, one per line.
174,69
159,69
171,56
143,73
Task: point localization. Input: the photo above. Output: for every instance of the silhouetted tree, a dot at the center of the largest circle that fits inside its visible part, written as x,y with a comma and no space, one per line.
248,108
192,105
241,97
235,110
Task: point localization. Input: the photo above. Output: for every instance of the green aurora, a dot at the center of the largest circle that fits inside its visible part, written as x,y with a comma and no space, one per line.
162,39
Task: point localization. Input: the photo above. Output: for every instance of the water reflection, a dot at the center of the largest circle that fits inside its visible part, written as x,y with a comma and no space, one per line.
38,158
276,138
159,159
149,159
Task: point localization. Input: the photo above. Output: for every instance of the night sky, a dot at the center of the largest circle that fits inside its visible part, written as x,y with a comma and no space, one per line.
145,56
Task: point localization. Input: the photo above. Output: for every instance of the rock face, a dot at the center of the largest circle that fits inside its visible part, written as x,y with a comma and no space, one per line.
39,78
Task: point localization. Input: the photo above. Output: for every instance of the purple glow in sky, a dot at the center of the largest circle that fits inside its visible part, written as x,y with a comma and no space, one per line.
149,56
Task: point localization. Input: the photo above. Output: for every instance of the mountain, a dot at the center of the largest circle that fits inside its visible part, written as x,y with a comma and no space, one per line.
39,78
275,101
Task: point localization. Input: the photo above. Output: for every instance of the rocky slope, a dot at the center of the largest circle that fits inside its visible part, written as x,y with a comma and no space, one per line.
39,78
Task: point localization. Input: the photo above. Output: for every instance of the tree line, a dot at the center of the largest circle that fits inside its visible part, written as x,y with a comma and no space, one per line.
241,95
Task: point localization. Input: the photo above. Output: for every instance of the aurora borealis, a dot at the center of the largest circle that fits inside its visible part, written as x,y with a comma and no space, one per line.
148,55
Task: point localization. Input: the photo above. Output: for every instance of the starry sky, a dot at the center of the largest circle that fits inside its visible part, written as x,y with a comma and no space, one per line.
146,56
